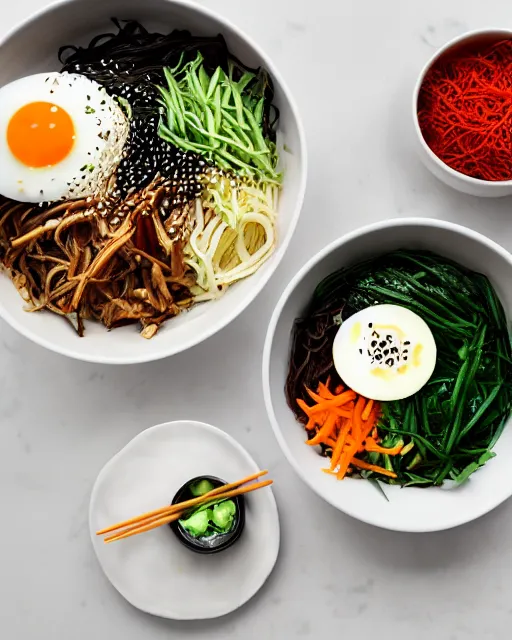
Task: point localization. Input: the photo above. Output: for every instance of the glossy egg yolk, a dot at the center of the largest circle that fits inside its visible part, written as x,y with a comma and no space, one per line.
40,134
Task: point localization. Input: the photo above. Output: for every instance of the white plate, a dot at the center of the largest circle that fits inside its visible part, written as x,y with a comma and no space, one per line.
154,571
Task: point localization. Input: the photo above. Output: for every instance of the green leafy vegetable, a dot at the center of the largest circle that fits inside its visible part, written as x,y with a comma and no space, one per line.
223,515
197,523
212,518
201,487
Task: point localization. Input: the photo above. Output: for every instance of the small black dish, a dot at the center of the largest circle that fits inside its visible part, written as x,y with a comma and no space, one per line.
212,544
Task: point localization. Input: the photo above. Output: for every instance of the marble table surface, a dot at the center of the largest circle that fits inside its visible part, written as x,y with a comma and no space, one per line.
351,65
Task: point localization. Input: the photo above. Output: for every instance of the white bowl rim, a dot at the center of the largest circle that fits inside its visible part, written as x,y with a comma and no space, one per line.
133,443
467,35
283,242
267,349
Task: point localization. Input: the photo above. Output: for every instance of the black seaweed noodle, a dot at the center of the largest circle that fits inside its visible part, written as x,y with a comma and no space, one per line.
311,356
132,60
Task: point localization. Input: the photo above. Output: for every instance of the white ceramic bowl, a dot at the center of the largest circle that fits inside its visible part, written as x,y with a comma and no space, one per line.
410,509
455,179
32,48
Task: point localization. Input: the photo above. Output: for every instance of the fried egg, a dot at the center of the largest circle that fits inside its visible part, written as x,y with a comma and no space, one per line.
385,352
61,137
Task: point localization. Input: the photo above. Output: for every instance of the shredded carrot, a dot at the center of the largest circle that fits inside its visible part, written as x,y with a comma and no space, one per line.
331,473
318,397
303,406
345,460
357,427
325,431
343,421
340,443
312,411
367,428
338,401
323,391
312,424
372,467
371,445
367,410
316,421
341,412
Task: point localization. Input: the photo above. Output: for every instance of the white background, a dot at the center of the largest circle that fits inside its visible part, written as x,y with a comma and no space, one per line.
351,65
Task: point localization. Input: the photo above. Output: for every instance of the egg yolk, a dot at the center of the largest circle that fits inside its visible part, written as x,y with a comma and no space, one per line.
40,134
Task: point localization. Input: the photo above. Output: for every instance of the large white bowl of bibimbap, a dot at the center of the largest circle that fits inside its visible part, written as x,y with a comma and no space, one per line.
387,374
145,195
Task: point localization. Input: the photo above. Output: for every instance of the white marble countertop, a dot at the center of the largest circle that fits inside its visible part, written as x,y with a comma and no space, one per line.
351,65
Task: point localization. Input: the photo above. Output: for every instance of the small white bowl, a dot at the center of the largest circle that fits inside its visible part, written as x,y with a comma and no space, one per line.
32,48
452,178
410,509
153,570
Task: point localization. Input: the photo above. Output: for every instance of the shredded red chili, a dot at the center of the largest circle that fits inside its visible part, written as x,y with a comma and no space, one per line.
465,111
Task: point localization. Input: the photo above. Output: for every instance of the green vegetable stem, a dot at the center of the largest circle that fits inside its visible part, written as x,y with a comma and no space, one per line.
219,118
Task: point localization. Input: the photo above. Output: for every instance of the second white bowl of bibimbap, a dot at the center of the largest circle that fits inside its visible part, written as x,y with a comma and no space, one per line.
387,374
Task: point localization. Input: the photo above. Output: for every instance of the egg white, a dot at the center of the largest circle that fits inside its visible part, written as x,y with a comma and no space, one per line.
101,130
410,366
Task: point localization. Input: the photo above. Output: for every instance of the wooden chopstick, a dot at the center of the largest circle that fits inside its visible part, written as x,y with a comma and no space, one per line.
169,509
147,526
